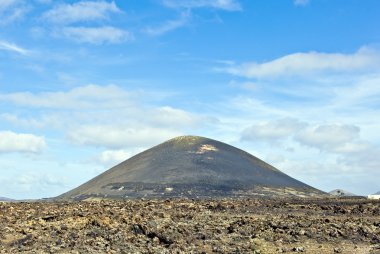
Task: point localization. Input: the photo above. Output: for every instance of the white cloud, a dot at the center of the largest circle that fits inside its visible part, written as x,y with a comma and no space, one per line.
66,18
35,184
100,100
42,181
90,96
305,64
116,137
13,48
15,142
353,147
11,10
341,145
248,85
330,138
5,4
44,1
345,93
301,2
96,35
335,94
365,157
23,122
168,116
168,26
271,131
81,11
275,159
113,157
100,116
365,92
246,105
228,5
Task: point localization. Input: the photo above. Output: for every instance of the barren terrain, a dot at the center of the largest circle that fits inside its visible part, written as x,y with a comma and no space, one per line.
192,226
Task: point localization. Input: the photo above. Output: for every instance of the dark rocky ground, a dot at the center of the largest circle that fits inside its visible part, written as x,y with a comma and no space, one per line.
186,226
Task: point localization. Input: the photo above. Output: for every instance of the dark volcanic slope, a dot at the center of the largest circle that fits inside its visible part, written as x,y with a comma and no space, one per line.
194,167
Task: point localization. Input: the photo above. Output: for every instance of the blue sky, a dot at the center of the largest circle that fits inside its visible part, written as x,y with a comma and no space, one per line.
87,84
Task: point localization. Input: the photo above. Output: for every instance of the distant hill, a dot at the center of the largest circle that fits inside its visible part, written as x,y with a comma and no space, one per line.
342,193
5,199
191,167
377,193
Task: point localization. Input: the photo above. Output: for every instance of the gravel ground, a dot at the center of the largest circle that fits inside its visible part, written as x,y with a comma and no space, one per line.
192,226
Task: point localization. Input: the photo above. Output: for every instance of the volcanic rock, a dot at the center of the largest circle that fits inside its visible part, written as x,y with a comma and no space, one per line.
192,226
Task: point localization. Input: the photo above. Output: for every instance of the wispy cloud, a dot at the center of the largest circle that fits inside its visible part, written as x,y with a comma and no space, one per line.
301,64
227,5
32,180
81,12
96,35
168,25
44,1
5,4
80,21
112,157
367,93
328,137
13,48
11,10
117,137
301,2
273,130
15,120
16,142
85,97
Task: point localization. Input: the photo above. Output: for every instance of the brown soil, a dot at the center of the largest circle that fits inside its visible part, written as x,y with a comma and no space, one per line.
186,226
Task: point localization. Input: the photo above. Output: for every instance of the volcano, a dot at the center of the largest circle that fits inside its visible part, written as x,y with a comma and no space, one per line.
191,167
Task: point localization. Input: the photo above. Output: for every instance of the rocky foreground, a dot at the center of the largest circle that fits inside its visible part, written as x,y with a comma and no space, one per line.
186,226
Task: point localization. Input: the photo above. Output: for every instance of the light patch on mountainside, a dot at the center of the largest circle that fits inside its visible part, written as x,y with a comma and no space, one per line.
206,148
